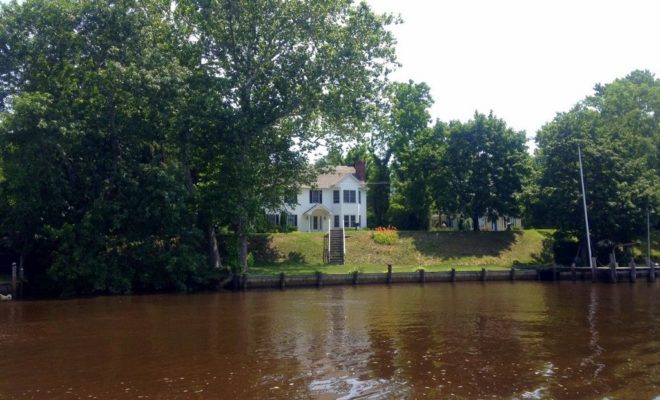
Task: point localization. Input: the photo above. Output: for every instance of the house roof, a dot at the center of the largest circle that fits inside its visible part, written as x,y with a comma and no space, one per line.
334,176
317,207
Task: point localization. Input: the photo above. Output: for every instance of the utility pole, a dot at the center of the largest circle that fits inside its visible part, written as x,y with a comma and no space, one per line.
586,219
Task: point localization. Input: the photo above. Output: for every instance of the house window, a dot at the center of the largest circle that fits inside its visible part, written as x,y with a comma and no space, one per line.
346,221
350,221
336,221
292,220
335,196
273,219
349,196
359,197
315,196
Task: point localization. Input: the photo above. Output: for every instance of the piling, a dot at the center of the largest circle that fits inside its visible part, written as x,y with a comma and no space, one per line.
633,271
453,275
512,274
651,271
244,281
282,280
389,273
422,278
538,274
573,274
236,282
594,272
21,278
355,277
554,272
319,278
483,274
14,279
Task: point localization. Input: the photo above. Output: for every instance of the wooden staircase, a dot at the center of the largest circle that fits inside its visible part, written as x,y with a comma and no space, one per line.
334,249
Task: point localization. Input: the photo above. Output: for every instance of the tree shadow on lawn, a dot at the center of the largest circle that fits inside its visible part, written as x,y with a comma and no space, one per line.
261,247
547,254
265,253
451,245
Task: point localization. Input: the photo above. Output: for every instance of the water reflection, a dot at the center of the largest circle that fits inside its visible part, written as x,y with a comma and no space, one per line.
501,340
596,350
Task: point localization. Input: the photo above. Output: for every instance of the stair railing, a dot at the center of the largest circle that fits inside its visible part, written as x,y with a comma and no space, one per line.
326,250
343,238
329,240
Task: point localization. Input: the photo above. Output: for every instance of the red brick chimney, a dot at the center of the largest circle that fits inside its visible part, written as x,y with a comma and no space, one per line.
360,170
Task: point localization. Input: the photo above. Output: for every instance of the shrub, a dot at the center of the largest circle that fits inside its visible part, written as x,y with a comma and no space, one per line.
385,235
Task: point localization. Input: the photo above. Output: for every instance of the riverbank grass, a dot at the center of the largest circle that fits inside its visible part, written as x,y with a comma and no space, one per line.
302,253
640,251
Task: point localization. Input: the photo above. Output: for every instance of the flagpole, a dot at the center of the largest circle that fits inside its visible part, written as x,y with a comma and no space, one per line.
584,203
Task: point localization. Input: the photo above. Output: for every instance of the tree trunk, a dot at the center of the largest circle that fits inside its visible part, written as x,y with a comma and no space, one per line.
475,222
244,253
214,254
242,248
380,192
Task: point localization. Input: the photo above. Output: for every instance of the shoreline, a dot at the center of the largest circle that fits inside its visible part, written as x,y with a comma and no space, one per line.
283,281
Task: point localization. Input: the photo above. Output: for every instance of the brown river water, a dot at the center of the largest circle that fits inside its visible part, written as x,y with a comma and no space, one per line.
469,340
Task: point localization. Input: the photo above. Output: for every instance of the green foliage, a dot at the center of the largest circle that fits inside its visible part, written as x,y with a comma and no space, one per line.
89,89
385,235
124,141
404,151
310,75
483,170
618,130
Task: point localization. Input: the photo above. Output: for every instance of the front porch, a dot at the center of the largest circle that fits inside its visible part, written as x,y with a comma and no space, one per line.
317,218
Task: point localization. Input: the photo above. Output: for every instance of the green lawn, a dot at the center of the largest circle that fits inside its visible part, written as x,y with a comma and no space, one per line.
302,253
640,251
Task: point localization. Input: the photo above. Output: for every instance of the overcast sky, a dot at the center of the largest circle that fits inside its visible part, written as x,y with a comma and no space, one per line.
526,60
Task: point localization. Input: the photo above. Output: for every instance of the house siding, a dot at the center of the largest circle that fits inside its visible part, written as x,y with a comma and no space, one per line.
359,209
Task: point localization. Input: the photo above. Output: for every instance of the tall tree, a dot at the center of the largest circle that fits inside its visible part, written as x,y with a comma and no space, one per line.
278,79
619,131
485,163
396,162
88,90
150,123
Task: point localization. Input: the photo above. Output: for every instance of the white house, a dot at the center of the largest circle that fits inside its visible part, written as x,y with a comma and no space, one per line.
337,199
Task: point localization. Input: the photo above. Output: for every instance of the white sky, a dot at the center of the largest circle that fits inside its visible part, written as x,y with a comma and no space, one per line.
526,60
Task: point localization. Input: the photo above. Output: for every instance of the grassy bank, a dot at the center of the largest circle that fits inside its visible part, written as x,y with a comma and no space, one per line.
301,253
640,251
